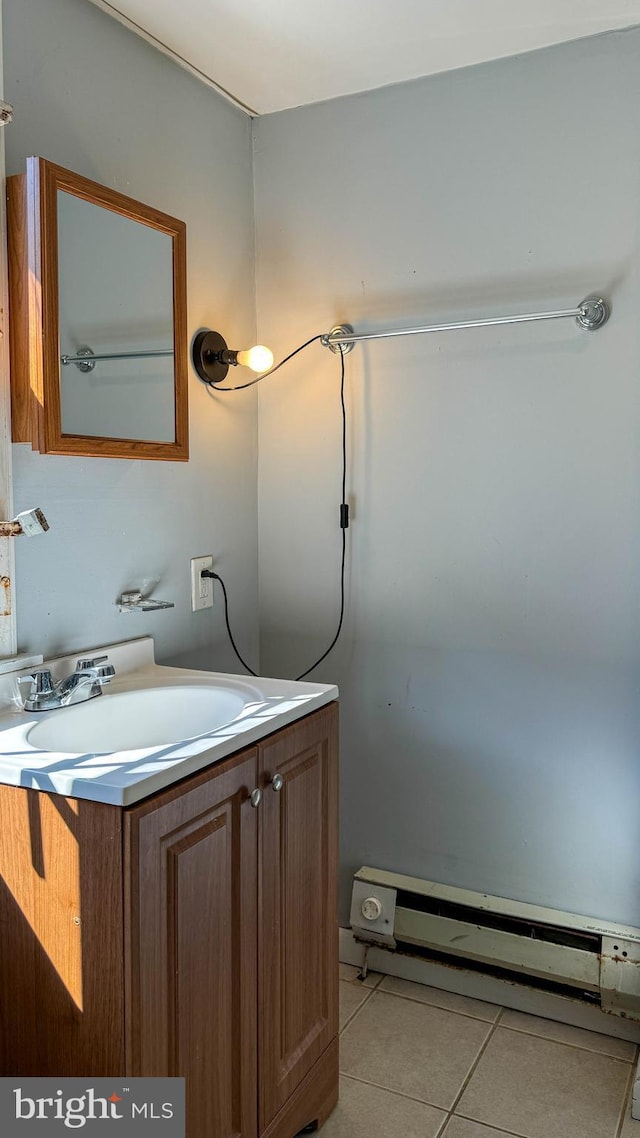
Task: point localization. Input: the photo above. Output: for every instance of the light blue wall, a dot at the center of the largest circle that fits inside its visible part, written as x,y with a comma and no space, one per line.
489,667
95,98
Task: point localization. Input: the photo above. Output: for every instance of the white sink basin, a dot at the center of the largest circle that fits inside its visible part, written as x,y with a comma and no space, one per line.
152,725
129,720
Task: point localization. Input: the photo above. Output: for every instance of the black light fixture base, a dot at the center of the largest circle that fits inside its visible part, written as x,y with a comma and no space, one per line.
208,354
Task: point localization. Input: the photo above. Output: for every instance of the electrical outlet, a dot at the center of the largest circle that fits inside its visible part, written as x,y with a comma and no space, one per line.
201,587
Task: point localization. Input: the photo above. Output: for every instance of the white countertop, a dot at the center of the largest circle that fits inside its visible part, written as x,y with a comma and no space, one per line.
124,777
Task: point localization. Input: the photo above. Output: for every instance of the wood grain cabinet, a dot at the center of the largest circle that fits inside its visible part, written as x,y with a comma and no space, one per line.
222,890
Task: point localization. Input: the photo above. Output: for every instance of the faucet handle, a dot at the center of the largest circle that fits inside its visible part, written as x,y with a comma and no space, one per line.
95,669
41,686
83,665
41,681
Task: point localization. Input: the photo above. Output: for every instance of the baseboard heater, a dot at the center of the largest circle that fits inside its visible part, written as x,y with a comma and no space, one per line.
559,951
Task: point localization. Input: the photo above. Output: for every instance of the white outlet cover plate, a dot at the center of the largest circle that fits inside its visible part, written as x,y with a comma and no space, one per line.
201,587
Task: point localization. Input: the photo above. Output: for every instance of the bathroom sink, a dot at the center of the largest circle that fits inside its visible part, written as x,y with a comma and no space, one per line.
129,720
153,725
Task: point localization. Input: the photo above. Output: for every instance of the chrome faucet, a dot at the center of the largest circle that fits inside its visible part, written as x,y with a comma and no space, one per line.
87,681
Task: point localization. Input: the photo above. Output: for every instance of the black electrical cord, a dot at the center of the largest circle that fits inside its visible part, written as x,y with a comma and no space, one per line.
344,522
217,577
276,367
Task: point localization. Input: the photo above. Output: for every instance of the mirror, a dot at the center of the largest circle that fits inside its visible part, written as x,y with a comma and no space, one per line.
98,328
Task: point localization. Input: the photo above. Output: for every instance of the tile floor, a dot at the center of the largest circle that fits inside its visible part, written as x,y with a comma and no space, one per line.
420,1063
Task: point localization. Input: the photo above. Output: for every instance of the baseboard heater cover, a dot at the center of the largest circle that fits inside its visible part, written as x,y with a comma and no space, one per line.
598,961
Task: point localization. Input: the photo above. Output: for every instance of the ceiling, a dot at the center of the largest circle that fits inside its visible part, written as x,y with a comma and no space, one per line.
272,54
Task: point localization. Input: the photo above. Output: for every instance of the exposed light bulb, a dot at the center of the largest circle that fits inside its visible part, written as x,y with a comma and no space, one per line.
257,358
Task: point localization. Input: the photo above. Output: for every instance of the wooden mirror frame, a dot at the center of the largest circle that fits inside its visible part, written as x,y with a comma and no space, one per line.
32,207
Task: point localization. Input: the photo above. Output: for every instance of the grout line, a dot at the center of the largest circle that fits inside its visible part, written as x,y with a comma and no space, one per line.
475,1063
625,1103
566,1043
359,1008
448,1115
393,1091
491,1126
440,1132
453,1011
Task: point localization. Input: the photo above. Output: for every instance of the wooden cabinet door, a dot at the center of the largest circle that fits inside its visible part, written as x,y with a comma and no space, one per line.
191,897
298,928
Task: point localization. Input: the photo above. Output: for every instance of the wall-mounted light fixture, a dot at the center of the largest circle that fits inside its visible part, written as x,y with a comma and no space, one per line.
212,358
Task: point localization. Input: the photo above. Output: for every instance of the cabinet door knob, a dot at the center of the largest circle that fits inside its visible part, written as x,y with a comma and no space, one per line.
277,782
255,797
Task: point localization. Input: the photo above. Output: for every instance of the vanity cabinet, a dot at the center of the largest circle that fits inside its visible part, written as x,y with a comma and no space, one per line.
223,891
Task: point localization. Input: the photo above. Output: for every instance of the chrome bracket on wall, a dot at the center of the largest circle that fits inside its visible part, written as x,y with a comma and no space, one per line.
135,602
344,346
82,359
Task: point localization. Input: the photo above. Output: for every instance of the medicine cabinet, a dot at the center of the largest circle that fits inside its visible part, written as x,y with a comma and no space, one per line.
97,287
